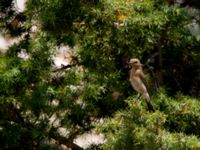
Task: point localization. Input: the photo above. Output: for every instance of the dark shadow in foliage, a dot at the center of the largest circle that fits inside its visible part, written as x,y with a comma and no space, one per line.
59,18
11,21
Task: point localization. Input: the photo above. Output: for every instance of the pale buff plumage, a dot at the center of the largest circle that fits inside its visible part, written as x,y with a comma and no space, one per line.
138,82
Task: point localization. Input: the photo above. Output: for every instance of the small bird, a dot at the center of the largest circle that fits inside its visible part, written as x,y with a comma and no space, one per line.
137,81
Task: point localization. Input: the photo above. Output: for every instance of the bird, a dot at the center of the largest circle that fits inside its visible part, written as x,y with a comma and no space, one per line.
137,81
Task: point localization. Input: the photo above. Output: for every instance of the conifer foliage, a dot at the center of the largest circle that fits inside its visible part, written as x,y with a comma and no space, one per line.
43,107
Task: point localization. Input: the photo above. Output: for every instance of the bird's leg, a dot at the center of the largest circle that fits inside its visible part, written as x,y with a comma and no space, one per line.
138,98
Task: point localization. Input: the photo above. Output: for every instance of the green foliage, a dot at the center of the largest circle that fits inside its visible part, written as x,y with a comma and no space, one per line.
49,13
117,31
135,128
183,115
37,102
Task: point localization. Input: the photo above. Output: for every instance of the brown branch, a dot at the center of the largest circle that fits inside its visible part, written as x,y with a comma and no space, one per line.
65,141
63,67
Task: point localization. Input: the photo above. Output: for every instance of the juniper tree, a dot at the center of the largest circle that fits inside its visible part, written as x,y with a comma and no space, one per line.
38,103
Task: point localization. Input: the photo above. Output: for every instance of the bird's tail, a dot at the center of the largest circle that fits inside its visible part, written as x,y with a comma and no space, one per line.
148,101
150,106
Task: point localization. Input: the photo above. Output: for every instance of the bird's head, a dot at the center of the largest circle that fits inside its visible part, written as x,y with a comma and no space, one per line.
134,62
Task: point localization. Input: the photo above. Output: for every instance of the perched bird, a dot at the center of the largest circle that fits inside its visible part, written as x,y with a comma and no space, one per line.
138,82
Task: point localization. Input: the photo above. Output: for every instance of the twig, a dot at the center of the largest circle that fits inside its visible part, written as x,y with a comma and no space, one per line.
63,67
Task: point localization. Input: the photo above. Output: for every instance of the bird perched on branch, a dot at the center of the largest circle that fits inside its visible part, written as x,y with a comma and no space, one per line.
138,82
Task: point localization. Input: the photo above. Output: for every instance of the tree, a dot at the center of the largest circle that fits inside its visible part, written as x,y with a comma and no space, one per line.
170,128
39,102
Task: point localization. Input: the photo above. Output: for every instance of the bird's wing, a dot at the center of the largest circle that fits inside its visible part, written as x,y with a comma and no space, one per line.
141,75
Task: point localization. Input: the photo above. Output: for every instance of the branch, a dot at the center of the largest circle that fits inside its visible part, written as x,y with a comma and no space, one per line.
65,141
63,67
149,59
